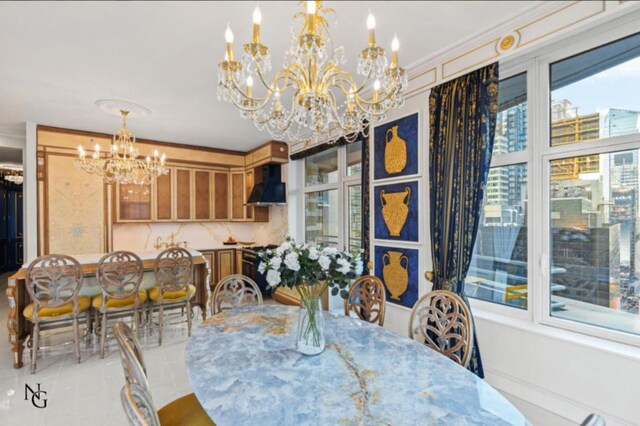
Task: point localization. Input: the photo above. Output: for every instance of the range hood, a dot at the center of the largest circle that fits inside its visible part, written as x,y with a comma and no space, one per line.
271,191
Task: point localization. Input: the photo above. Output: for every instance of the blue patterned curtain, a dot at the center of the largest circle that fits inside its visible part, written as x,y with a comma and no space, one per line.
462,116
366,255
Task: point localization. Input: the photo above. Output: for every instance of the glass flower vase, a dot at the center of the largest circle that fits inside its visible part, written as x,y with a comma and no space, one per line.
310,326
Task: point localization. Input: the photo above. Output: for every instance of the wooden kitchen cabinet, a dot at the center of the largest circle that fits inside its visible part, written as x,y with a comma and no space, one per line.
225,264
221,195
237,196
164,197
202,192
183,194
133,203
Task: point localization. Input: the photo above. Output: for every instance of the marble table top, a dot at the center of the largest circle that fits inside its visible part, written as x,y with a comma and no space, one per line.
245,370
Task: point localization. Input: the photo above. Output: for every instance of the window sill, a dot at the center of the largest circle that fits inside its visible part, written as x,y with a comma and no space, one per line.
552,332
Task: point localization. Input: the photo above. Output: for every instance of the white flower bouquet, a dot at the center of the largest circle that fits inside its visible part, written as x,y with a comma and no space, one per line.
310,269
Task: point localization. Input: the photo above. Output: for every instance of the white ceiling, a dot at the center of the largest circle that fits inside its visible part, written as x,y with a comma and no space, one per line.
58,58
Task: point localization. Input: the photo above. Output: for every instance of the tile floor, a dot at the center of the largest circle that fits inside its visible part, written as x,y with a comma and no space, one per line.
89,392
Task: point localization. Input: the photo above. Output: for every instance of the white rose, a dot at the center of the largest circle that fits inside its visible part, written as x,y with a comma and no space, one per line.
329,251
291,260
324,262
275,262
359,267
262,267
313,253
273,278
283,247
345,266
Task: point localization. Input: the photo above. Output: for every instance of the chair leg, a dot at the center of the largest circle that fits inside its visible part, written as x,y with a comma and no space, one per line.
189,317
96,321
160,321
103,334
136,318
34,346
88,328
76,335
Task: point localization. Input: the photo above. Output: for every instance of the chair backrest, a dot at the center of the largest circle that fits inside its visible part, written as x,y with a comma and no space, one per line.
133,371
233,291
119,274
54,280
138,406
367,298
173,268
127,341
593,420
441,320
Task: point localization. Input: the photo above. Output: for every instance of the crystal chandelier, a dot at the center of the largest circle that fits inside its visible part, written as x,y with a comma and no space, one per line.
311,98
121,164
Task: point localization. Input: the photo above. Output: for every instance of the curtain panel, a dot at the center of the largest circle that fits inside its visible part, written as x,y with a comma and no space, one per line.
462,116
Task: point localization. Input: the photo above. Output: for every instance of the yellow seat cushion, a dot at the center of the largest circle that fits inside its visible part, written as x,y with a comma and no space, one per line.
119,303
184,411
168,296
83,304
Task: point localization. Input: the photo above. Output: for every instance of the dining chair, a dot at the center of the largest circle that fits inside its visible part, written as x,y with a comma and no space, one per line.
53,283
119,275
141,410
593,420
367,298
173,271
234,291
136,395
442,321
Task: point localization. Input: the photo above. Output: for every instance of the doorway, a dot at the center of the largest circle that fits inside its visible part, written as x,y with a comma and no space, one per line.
11,211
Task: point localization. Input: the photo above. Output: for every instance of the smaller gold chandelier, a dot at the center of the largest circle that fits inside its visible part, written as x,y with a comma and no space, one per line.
121,164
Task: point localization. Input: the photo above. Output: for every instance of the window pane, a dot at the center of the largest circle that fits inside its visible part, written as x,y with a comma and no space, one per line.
595,241
321,217
596,94
498,271
321,168
354,216
354,158
511,123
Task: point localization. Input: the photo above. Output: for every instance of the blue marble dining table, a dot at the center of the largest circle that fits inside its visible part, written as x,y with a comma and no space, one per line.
245,370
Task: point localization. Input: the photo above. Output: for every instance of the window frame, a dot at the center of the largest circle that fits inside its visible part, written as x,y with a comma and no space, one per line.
341,185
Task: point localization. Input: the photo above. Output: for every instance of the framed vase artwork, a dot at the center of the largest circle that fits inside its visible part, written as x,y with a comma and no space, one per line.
396,209
396,148
398,270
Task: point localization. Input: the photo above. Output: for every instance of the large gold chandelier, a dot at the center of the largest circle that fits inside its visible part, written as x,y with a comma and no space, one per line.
121,164
311,98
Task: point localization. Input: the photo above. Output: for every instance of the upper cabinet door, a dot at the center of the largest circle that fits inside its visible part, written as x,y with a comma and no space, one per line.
202,183
164,197
237,196
183,194
221,191
134,202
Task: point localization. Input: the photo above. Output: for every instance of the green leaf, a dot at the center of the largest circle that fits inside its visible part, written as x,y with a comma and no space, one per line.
344,294
334,291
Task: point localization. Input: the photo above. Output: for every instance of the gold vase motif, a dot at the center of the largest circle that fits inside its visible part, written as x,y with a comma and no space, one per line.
396,276
395,209
395,152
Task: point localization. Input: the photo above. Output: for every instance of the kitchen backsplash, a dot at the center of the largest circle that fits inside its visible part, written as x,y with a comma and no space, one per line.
201,235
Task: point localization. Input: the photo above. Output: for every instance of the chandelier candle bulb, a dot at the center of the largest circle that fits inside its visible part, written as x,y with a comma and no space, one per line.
257,20
376,90
395,46
311,11
371,26
228,37
249,86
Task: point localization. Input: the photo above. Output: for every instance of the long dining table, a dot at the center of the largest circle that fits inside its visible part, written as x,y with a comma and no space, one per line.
245,370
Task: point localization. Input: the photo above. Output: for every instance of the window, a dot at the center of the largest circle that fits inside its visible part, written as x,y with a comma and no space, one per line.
331,176
593,217
498,270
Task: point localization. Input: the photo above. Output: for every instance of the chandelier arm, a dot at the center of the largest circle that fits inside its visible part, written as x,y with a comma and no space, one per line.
239,90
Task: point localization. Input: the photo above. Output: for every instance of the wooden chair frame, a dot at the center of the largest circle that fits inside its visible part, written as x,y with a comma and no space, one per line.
52,281
173,271
367,296
232,290
119,275
442,320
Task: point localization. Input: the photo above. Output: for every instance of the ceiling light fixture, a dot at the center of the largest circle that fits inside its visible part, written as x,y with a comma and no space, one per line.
321,98
121,164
